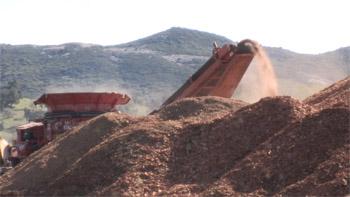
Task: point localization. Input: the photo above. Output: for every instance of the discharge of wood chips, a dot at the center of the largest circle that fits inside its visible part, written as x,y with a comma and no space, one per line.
204,146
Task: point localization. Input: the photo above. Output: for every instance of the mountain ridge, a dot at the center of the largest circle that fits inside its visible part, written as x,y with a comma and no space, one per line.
169,31
151,68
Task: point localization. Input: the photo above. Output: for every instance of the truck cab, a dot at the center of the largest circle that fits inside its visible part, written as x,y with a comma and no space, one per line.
30,137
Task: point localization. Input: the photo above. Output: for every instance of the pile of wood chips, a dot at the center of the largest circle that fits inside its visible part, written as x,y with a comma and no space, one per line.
205,146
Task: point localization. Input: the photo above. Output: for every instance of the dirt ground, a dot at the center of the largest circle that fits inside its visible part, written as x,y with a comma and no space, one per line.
206,146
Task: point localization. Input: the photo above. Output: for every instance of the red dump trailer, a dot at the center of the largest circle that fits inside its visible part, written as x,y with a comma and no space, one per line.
64,112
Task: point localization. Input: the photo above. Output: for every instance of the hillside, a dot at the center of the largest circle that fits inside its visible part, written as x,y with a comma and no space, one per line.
179,41
222,147
151,68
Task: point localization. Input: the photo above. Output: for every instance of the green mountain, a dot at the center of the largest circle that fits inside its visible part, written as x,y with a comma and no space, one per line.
179,41
151,68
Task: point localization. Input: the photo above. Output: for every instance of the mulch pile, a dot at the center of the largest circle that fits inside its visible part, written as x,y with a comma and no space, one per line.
198,110
204,146
336,95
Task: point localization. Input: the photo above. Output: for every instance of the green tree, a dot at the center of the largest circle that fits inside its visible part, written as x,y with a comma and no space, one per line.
9,94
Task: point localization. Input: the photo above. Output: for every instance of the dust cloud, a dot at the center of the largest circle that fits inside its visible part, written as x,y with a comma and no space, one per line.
267,74
78,86
260,80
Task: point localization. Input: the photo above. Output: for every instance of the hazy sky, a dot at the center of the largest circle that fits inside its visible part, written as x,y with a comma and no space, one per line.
305,26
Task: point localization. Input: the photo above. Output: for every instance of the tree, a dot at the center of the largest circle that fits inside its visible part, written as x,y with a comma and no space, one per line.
9,94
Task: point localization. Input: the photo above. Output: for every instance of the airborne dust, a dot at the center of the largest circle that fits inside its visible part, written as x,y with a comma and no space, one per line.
259,80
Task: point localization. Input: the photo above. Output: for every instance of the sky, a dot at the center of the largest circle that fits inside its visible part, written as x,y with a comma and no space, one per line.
303,26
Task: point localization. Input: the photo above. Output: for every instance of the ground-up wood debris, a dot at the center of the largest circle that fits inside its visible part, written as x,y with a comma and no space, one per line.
205,146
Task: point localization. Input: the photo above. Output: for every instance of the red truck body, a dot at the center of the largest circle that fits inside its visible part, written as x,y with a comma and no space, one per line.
64,112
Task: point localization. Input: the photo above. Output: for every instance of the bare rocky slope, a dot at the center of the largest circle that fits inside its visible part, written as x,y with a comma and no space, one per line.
204,146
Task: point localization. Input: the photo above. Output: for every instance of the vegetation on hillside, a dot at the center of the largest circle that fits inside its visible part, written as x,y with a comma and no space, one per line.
9,94
18,114
152,68
179,41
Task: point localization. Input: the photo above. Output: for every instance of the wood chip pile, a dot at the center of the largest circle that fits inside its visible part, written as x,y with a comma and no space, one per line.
205,146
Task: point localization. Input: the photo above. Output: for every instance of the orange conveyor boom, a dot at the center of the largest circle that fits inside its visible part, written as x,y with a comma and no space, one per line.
220,75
